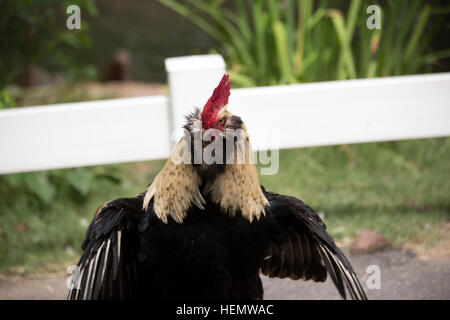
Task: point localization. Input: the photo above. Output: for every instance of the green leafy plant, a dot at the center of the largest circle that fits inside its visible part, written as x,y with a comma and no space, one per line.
268,42
6,99
34,34
72,184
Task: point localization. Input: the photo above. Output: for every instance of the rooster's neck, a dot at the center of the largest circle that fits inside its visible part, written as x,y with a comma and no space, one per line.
178,186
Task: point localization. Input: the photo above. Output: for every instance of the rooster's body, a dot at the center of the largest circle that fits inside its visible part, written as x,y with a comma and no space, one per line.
206,230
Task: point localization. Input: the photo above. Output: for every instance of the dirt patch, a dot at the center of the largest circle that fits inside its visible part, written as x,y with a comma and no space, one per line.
438,250
47,271
124,89
84,91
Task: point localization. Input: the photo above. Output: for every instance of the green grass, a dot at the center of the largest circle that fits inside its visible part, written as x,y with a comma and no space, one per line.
398,188
32,233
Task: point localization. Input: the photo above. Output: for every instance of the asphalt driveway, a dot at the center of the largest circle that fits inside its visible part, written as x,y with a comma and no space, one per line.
403,276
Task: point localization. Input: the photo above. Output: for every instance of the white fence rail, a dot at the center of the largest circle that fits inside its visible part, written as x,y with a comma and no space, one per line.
137,129
82,134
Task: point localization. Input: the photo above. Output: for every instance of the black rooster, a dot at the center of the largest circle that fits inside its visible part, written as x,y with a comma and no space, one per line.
206,231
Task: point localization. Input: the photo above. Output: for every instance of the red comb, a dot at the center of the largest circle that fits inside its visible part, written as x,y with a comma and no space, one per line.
217,101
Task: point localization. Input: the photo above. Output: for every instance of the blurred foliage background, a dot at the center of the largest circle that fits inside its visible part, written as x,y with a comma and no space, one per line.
398,188
33,34
269,42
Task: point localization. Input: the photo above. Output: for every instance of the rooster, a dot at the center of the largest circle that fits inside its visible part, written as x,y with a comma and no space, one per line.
206,231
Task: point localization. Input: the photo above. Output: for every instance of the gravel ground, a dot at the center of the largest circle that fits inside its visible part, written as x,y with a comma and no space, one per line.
403,276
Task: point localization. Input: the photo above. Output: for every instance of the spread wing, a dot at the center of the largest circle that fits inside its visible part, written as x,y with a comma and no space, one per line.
302,249
108,267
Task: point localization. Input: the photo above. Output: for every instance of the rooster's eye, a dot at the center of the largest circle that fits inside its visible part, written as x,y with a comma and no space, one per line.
222,121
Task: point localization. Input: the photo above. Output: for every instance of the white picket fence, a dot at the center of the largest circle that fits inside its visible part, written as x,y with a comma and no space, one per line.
137,129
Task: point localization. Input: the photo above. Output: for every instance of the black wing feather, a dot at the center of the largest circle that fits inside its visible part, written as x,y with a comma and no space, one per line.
109,253
306,250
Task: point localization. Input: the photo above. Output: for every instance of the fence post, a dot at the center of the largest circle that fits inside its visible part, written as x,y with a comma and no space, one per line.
191,80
